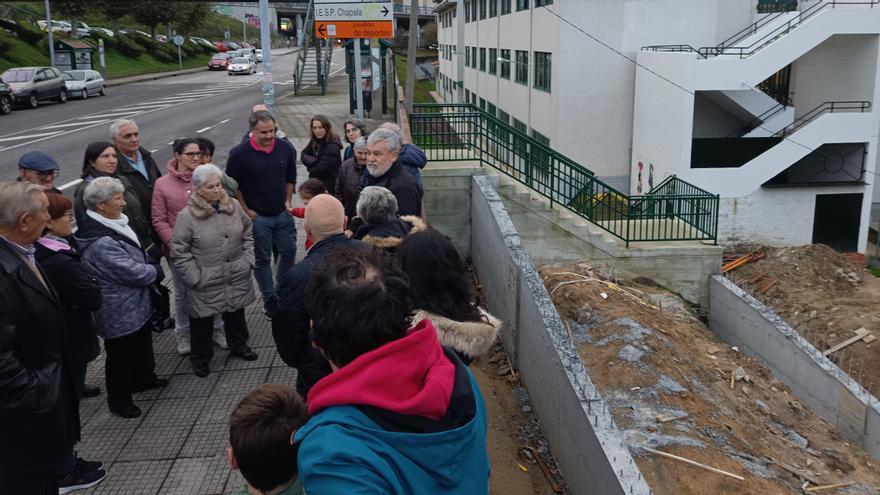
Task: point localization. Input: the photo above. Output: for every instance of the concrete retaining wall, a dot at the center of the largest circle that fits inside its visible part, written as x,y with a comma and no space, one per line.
582,435
740,319
447,201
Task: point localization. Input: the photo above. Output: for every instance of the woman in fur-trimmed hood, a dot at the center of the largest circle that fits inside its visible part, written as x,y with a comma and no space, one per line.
377,208
443,292
213,248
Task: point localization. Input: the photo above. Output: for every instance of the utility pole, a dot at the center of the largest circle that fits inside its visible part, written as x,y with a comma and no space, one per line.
411,56
358,80
266,46
243,29
51,38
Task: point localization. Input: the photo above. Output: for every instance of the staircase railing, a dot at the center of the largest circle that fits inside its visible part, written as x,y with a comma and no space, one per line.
303,51
326,59
757,121
728,47
676,212
822,109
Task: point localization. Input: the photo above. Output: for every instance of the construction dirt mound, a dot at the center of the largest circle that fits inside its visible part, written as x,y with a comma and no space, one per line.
673,387
824,297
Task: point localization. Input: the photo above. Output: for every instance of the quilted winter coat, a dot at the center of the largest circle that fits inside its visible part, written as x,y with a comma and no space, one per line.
214,251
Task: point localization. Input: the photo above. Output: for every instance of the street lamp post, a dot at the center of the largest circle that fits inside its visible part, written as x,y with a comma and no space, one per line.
266,46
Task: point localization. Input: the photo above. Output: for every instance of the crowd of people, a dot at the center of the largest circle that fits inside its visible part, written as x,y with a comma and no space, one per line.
380,318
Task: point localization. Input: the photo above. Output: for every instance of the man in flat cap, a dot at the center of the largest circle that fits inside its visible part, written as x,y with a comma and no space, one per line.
36,167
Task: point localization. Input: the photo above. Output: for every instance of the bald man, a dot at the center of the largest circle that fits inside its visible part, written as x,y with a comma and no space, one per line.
325,222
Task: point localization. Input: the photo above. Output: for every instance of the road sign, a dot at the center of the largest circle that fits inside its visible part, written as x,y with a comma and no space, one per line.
354,29
178,40
373,11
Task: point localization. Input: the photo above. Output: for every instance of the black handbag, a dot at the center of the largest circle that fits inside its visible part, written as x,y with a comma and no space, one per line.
160,297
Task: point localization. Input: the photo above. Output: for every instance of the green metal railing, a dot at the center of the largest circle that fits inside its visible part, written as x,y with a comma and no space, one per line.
673,211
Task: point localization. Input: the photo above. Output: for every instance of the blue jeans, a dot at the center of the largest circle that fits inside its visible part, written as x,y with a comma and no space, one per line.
280,231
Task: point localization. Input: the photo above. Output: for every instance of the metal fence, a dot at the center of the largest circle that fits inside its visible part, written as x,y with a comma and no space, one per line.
673,211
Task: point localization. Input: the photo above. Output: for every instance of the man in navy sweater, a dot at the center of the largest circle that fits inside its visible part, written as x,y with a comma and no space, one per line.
265,169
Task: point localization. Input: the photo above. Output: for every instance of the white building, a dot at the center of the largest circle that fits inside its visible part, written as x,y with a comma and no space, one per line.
579,78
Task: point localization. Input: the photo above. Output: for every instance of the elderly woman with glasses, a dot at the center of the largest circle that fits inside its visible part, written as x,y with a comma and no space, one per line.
382,227
170,195
102,160
213,249
113,255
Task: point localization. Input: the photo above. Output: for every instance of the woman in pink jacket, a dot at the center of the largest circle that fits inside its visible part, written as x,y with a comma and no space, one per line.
170,195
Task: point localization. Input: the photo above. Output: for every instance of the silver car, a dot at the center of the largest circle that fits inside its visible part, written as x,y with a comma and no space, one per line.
84,83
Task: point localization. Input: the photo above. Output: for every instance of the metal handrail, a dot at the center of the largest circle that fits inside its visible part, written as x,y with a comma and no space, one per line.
675,210
753,28
747,51
821,109
303,52
757,121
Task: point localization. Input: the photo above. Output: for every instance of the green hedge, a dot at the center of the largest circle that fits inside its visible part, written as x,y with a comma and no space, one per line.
165,53
26,33
128,47
5,43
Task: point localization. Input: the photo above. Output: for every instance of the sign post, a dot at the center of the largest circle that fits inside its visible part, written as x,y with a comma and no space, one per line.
266,46
178,40
101,56
357,20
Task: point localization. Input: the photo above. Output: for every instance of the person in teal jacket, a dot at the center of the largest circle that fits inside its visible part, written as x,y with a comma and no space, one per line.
399,414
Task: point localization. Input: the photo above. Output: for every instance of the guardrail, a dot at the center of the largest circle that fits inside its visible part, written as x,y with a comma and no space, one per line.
727,47
673,211
821,109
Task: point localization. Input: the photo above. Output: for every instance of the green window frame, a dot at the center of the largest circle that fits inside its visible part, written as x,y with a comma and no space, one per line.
505,7
467,56
522,67
542,71
493,8
505,66
490,109
482,9
493,60
482,104
503,116
482,59
522,5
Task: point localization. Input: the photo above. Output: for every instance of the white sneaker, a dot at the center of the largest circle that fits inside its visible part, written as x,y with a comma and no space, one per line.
220,338
183,347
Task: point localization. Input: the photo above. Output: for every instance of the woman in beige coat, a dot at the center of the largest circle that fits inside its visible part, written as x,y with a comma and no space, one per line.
213,248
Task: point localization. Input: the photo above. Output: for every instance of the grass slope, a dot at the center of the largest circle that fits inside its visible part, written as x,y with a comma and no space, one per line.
423,88
118,65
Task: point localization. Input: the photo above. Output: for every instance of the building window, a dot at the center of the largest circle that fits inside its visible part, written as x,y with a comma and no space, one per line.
522,67
503,116
493,60
467,56
482,104
490,109
473,98
467,12
505,7
493,8
505,66
543,3
541,158
482,9
482,59
542,71
522,5
467,95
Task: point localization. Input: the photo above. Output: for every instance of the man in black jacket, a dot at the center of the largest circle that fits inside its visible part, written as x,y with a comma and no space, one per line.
138,166
325,223
384,170
38,414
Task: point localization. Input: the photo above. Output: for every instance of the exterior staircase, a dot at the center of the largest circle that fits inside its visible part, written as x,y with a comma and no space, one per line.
312,67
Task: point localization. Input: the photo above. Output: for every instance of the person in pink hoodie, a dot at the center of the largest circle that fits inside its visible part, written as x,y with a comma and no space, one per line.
170,195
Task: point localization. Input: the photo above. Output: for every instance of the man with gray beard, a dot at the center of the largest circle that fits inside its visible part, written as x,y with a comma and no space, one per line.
383,170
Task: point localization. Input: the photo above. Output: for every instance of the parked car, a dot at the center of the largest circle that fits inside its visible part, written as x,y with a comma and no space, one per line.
233,45
57,26
84,83
218,61
161,38
31,85
259,54
201,41
104,31
221,46
5,98
82,29
135,31
241,65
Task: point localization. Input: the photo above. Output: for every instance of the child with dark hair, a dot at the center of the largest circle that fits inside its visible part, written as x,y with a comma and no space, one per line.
261,429
308,190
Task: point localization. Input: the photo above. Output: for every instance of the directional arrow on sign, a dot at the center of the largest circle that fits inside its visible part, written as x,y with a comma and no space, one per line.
385,11
322,29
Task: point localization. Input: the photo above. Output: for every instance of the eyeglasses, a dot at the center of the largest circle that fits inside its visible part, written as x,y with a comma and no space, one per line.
192,154
45,173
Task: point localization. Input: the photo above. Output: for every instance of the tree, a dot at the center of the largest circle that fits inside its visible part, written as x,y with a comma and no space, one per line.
429,35
154,12
72,9
190,16
411,58
113,10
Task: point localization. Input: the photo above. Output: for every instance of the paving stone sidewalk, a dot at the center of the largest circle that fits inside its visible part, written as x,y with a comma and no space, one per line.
178,445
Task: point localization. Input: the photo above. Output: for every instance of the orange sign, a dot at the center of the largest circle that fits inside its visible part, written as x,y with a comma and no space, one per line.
354,29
